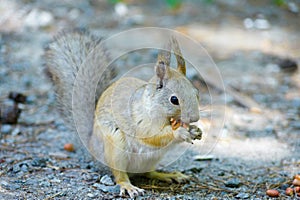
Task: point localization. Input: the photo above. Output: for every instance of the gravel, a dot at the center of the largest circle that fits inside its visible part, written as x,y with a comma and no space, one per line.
253,153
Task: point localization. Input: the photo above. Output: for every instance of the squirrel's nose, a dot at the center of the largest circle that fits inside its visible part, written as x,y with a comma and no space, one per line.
195,117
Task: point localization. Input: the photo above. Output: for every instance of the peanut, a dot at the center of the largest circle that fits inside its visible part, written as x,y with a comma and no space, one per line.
289,191
272,193
69,147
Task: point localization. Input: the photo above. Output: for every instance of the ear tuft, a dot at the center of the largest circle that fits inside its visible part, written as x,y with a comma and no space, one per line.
162,67
162,73
180,60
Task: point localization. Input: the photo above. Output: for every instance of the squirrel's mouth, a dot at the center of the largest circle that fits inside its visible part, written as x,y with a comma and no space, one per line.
185,125
175,123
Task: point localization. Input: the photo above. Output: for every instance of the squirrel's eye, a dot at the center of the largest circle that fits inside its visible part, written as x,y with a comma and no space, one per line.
174,100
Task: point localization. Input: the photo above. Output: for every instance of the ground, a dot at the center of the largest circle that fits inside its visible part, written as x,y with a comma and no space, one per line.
244,151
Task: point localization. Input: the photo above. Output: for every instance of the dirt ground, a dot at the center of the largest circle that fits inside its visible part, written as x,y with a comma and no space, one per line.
249,41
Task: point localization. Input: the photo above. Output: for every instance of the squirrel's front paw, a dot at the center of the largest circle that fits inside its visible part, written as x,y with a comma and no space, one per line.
182,134
195,132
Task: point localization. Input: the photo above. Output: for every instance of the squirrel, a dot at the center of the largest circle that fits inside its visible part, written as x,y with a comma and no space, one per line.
134,122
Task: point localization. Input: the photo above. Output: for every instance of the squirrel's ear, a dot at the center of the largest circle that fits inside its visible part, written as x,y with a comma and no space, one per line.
180,60
162,68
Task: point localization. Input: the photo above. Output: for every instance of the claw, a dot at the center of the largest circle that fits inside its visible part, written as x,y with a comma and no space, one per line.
168,177
196,132
131,190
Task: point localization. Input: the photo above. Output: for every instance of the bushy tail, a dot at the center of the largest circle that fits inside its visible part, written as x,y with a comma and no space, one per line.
74,61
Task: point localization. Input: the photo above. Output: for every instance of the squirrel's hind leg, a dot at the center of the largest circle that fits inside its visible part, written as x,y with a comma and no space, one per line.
122,179
168,177
115,155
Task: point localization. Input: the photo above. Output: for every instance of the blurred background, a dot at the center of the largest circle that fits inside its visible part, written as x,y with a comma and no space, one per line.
255,46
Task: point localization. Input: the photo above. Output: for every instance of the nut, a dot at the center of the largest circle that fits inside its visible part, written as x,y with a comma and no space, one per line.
174,123
289,191
69,147
296,182
273,193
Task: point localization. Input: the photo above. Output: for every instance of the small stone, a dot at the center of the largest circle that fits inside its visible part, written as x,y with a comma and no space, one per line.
248,23
90,195
10,186
6,129
195,169
107,189
16,168
10,114
16,131
242,195
55,180
221,173
31,99
24,167
233,183
106,180
4,184
38,18
39,162
45,184
262,24
58,155
295,124
203,157
293,7
17,97
296,102
288,65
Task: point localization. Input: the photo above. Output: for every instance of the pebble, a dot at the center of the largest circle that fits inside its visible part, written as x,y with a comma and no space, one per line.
261,24
31,99
16,131
10,186
203,157
6,129
107,189
295,124
106,180
58,155
195,169
45,184
39,162
38,18
24,167
242,195
288,65
248,23
10,114
90,195
221,173
233,183
293,7
16,168
296,102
